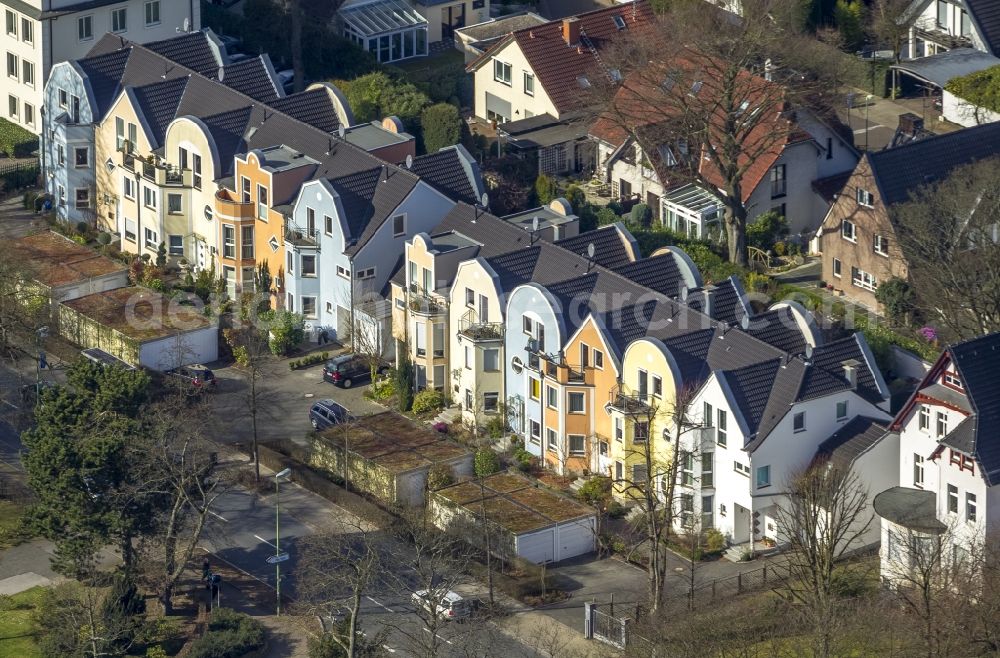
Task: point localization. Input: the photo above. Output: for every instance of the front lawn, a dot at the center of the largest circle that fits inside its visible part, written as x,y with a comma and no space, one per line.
17,629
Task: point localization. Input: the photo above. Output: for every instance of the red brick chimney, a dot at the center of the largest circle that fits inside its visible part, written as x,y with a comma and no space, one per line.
571,30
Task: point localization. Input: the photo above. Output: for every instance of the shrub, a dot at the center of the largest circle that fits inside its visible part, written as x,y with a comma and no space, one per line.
487,462
442,126
780,248
15,141
439,477
758,282
82,228
230,635
545,189
403,384
715,541
768,228
896,296
850,583
104,238
242,356
641,214
427,401
496,426
79,239
287,330
441,427
616,510
382,389
306,361
135,271
606,216
595,491
525,460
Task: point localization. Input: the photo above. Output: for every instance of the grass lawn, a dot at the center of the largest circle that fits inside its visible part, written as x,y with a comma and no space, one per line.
420,68
16,627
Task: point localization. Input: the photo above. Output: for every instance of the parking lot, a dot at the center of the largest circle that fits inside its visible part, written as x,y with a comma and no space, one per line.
284,398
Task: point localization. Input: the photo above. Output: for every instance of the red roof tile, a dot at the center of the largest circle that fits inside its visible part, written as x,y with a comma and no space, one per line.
559,66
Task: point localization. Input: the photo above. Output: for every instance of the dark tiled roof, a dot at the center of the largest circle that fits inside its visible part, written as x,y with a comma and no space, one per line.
192,50
900,171
978,362
314,106
659,273
751,387
728,301
104,72
227,130
610,249
369,196
453,171
252,76
158,103
778,327
986,14
826,374
558,65
851,441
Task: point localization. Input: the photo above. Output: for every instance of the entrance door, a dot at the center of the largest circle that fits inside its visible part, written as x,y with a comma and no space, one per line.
741,524
452,18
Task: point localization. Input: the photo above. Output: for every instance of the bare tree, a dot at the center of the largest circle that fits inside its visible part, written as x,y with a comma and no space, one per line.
24,304
825,518
180,467
889,24
652,484
706,97
950,240
252,352
335,572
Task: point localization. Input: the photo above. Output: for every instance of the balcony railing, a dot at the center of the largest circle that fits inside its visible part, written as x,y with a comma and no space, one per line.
630,402
298,236
931,30
159,172
470,327
423,304
227,203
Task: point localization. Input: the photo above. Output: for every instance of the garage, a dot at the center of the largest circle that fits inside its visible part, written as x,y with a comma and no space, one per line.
141,327
525,520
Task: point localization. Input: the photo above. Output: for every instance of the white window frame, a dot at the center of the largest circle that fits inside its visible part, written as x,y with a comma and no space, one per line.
576,395
229,241
171,196
11,23
529,81
583,445
849,235
123,26
305,313
880,245
303,271
13,66
128,187
81,22
918,470
535,432
502,72
763,479
28,73
842,405
27,31
148,9
76,198
837,268
149,238
864,198
171,249
86,160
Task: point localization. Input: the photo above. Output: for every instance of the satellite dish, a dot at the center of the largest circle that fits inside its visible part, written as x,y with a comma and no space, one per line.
591,250
684,293
221,73
341,131
187,24
745,322
409,161
534,224
809,351
484,200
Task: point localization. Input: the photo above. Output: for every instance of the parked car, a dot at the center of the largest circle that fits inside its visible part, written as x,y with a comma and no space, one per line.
346,369
198,376
327,413
449,606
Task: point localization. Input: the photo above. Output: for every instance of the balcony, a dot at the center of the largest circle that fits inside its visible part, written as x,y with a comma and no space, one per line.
476,331
630,402
299,237
931,30
228,205
421,303
157,171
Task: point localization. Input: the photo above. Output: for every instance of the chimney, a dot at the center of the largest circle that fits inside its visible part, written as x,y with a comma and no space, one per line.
571,30
709,301
910,124
851,372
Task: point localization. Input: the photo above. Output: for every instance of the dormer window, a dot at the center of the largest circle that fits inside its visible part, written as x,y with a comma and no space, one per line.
696,87
951,379
619,22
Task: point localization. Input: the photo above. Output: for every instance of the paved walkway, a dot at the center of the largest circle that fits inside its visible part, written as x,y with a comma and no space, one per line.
15,221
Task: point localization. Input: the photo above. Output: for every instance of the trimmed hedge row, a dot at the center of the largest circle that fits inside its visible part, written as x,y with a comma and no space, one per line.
15,141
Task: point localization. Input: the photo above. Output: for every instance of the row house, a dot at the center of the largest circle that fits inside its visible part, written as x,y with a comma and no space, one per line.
40,35
791,155
598,355
858,237
945,506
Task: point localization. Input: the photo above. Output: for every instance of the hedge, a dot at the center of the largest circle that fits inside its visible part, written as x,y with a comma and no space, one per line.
15,141
981,88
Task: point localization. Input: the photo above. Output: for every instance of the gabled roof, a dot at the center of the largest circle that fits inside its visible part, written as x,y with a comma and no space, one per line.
368,198
255,77
158,104
612,247
778,327
978,362
193,50
558,66
826,373
850,442
751,387
453,171
659,273
986,15
899,171
227,129
313,106
104,73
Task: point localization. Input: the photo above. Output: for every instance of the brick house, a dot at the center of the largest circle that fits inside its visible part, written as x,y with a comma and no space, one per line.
858,236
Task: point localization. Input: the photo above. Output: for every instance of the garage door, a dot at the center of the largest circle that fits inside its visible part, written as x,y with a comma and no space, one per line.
537,547
574,539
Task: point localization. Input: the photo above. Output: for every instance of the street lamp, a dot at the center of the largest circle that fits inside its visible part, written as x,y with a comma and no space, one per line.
868,103
278,557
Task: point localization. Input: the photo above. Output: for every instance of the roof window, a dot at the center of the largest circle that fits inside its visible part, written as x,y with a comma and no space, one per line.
619,22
